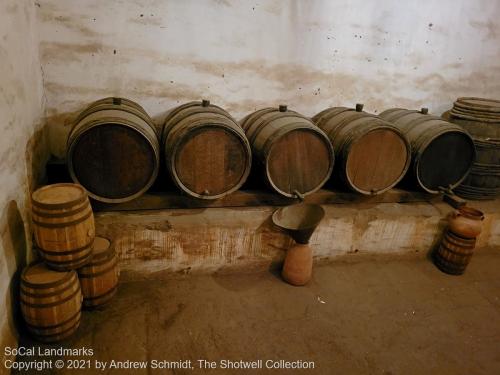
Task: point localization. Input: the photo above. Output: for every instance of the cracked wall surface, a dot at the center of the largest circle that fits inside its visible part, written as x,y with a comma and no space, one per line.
23,150
243,55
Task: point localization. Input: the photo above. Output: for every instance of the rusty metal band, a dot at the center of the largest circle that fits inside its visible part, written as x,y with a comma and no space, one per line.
46,285
52,304
58,206
84,275
62,214
111,291
54,293
102,259
63,225
67,252
55,325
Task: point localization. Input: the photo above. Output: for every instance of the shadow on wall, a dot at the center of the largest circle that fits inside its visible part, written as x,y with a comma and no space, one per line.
37,153
58,127
15,249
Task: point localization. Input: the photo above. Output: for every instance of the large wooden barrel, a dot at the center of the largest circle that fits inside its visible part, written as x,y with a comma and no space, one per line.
50,302
483,181
294,155
372,154
113,150
206,151
63,225
454,253
99,278
442,152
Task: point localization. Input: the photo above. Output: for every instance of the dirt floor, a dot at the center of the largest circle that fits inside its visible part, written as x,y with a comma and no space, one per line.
373,316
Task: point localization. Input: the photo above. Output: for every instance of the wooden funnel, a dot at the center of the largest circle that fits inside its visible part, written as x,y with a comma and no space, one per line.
299,220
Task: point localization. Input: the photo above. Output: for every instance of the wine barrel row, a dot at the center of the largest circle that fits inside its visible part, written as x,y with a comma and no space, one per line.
115,150
481,118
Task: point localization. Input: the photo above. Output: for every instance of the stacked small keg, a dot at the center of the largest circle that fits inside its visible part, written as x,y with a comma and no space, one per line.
481,118
77,266
459,241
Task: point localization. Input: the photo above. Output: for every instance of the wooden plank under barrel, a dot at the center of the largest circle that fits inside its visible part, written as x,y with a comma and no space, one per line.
372,154
442,153
113,150
292,154
206,151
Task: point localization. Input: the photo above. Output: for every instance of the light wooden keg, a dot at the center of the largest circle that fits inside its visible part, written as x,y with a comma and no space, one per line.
99,278
51,302
63,225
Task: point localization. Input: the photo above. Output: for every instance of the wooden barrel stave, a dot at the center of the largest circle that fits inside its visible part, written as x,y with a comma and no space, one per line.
454,253
206,152
442,153
50,302
99,278
63,225
373,155
292,154
109,173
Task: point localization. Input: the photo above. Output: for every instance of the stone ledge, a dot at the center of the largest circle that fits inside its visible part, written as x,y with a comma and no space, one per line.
208,239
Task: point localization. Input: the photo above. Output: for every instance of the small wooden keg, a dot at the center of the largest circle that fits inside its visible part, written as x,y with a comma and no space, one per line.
63,225
51,302
372,154
99,278
113,150
206,152
293,155
454,253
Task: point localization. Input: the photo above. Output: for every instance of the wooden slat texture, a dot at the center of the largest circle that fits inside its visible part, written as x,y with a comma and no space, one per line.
206,152
291,153
113,150
372,155
442,152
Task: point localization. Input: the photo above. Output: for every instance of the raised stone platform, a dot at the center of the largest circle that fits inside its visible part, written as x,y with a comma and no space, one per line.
151,241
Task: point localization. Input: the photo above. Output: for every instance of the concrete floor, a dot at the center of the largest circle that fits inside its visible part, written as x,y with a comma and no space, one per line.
367,316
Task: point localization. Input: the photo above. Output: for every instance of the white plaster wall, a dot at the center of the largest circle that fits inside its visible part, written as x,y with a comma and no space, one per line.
247,54
21,148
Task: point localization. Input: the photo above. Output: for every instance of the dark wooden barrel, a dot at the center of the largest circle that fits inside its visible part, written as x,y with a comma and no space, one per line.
483,181
454,253
205,150
372,154
63,225
50,302
99,278
442,152
293,154
113,150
